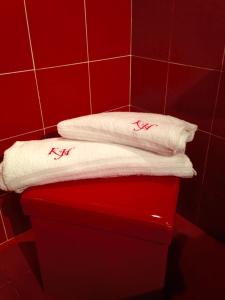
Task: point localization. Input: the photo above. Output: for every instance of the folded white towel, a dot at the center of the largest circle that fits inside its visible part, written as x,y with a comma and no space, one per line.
40,162
161,134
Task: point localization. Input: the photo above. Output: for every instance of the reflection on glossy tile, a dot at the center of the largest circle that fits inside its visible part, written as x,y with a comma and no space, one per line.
109,84
108,24
15,49
148,84
57,31
151,28
64,93
198,31
192,94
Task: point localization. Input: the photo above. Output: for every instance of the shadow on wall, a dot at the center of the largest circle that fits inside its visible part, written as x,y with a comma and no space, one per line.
14,219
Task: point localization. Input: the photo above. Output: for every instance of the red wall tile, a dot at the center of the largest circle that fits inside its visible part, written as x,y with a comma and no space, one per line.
58,35
192,94
191,189
19,101
148,84
15,49
219,122
198,32
212,208
108,25
64,93
109,84
57,31
151,28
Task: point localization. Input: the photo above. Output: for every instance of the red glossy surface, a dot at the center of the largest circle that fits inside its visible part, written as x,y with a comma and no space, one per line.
108,24
219,122
109,84
133,205
198,32
57,31
212,208
64,93
192,94
148,84
151,28
103,265
13,217
15,48
17,90
103,234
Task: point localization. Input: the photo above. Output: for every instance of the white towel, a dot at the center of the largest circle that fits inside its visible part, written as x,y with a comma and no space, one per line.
38,162
161,134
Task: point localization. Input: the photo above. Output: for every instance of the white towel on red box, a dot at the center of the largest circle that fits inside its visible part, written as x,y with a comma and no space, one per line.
161,134
39,162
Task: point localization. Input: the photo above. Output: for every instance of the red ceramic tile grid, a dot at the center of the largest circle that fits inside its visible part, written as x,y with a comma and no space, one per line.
108,25
198,32
191,188
151,28
15,49
192,94
19,102
64,93
219,122
109,84
57,31
14,219
148,84
5,144
2,231
212,208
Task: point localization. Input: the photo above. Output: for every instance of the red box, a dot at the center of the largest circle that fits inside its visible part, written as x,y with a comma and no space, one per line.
103,238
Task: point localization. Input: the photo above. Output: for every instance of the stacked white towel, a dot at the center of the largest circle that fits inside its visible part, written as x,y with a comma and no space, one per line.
38,162
161,134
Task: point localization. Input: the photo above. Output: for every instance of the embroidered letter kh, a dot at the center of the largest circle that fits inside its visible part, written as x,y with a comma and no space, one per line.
59,152
144,126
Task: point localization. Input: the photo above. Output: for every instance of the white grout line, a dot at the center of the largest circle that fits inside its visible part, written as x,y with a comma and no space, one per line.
131,49
19,135
35,75
88,57
61,66
169,56
138,107
109,58
16,72
3,224
176,63
65,65
7,241
116,108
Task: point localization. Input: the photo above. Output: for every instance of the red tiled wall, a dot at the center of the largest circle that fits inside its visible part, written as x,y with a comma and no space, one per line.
58,60
178,69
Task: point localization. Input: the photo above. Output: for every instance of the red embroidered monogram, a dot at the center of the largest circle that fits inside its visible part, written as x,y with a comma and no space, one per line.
142,125
59,152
